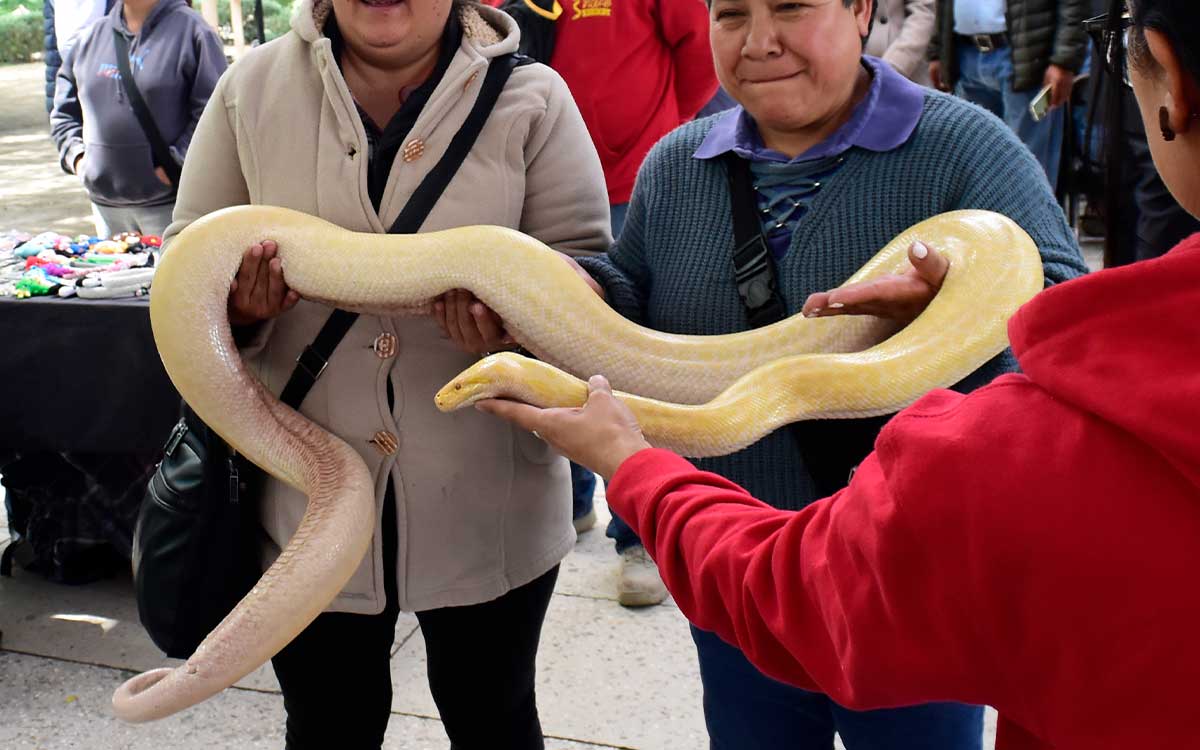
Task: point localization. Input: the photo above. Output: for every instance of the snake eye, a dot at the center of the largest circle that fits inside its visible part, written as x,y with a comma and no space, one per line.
458,386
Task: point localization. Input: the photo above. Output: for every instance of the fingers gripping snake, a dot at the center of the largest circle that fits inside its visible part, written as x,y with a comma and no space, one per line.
699,395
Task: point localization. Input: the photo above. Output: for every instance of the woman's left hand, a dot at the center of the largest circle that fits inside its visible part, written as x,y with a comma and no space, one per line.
600,435
471,324
898,297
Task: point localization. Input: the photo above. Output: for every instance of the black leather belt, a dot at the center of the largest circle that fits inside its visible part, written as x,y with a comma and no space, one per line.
984,42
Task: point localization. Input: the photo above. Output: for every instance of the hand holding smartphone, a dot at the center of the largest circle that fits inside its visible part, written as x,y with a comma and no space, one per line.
1040,106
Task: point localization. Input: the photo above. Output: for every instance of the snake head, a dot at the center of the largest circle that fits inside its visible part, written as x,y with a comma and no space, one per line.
487,378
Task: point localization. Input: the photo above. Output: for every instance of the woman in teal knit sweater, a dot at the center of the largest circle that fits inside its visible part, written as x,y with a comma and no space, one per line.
844,154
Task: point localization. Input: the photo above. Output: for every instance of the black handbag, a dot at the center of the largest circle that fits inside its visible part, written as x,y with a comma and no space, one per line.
830,448
196,544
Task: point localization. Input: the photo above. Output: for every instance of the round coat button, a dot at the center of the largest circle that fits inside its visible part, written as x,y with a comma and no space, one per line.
385,442
385,345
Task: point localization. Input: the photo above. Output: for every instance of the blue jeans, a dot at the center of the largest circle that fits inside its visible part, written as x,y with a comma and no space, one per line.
583,482
746,710
986,78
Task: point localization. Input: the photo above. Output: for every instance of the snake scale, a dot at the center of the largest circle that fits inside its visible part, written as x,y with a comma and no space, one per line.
699,395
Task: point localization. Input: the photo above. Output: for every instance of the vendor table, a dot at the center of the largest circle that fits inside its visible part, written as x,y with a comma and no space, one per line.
82,376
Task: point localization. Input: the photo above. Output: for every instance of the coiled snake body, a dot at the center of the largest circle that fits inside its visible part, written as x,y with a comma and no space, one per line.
753,382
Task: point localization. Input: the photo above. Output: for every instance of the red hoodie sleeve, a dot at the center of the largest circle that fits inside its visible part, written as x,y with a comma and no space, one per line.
840,597
684,27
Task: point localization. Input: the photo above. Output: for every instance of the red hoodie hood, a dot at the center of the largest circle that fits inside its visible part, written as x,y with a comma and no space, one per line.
1124,345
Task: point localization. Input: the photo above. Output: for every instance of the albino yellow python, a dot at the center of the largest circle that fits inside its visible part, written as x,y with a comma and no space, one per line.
757,381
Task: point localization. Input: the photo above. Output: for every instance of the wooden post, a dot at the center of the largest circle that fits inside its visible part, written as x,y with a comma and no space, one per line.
208,9
239,28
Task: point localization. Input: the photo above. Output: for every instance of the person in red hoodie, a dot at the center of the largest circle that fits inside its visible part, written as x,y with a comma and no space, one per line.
1033,546
638,69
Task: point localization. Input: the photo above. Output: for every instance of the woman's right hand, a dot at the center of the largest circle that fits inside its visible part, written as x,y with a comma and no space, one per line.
258,292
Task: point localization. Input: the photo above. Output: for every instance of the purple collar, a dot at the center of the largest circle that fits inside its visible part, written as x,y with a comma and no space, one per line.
884,120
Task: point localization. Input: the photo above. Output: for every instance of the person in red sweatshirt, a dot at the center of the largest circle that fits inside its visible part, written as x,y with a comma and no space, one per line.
1033,546
638,69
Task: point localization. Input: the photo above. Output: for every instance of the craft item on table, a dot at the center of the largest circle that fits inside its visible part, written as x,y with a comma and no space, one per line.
47,256
152,240
13,239
43,242
36,283
131,283
114,262
97,260
52,268
109,247
83,243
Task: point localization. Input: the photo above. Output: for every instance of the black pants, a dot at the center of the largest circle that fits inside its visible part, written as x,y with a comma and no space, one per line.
337,683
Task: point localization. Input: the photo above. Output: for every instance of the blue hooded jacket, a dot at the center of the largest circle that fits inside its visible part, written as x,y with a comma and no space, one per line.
176,60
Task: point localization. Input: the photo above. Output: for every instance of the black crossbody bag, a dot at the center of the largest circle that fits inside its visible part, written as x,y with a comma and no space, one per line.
158,145
196,544
830,448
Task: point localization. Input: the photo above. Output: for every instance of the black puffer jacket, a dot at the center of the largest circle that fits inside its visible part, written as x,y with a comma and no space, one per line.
52,57
1042,33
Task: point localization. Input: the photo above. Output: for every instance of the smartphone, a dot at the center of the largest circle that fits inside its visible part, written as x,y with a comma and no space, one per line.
1040,104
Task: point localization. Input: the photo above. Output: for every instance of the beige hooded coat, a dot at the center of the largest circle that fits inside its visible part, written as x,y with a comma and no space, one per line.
901,36
481,506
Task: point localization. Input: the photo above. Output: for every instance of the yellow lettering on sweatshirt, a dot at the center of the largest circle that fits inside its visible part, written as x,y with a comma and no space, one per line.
592,8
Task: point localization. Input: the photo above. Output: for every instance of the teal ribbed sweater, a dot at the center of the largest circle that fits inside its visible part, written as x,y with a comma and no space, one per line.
672,268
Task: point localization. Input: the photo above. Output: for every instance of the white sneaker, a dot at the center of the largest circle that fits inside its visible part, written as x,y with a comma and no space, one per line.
639,584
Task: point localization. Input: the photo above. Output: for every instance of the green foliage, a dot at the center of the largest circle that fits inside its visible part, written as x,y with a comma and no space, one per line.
20,37
33,6
277,17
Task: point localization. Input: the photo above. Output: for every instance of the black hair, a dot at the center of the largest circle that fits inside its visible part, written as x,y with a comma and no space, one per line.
1179,22
847,4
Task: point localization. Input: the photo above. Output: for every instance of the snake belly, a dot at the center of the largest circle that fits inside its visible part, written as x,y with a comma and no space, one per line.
701,395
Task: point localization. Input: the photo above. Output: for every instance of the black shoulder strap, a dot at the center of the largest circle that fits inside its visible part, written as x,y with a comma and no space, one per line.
753,266
158,145
315,357
431,188
830,448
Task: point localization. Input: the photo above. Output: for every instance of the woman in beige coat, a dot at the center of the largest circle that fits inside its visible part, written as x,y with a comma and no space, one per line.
901,36
342,118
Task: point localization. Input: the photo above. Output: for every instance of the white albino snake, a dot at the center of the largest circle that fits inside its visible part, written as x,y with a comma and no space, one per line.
796,369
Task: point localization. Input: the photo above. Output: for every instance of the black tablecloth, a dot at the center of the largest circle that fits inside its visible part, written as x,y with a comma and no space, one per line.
82,376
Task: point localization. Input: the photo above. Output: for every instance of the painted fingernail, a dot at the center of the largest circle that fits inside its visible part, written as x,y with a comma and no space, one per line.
920,250
813,312
836,305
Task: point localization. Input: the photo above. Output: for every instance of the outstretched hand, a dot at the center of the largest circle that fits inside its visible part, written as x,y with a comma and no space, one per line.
896,297
599,435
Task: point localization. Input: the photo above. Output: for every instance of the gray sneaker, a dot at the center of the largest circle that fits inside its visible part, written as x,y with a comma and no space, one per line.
639,584
585,522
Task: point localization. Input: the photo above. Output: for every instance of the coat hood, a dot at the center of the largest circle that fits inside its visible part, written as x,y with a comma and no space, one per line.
1124,346
160,11
492,32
